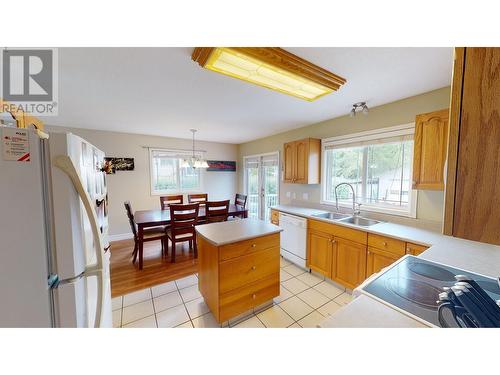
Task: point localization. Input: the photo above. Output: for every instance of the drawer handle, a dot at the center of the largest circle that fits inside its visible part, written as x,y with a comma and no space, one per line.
254,245
254,268
254,296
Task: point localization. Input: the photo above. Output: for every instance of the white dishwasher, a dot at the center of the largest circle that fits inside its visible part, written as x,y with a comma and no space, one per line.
293,238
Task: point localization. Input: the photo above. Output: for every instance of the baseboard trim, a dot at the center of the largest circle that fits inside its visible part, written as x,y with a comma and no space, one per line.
119,237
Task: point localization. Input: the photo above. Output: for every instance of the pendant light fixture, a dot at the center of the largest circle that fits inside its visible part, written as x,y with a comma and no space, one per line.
194,161
360,106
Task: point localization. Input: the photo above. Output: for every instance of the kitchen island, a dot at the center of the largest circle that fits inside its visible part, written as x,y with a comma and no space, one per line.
238,265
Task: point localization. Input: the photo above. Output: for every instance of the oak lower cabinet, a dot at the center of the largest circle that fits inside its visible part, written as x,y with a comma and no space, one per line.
320,257
414,249
342,259
377,259
349,262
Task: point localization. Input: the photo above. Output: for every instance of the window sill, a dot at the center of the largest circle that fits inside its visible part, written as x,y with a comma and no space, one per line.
169,192
377,209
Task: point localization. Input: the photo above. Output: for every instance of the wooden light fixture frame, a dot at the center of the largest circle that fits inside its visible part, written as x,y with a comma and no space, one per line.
282,59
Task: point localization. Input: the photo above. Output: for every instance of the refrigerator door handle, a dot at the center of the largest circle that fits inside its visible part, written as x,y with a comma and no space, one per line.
65,163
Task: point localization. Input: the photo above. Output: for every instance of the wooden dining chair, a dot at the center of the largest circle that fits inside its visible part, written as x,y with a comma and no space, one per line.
183,218
198,198
240,200
167,200
152,234
216,211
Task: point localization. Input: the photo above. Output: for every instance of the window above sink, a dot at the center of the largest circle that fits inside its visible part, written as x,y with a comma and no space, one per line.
378,164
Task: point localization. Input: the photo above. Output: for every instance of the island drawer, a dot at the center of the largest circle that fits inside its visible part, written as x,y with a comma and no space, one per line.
386,243
237,272
241,248
240,300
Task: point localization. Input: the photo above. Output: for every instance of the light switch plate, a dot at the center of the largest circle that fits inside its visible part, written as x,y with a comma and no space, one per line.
305,196
288,194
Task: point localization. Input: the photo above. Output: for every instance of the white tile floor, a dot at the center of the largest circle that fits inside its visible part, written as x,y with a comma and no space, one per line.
305,300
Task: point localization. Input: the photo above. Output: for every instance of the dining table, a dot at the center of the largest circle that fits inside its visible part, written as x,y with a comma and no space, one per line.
154,218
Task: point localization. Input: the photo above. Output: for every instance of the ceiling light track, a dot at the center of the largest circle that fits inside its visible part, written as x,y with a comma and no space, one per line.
359,107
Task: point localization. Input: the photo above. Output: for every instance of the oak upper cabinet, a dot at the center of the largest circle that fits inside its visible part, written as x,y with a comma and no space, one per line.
320,255
472,198
289,162
302,161
349,265
429,155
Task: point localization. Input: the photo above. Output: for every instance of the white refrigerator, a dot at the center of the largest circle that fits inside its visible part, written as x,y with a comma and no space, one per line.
54,251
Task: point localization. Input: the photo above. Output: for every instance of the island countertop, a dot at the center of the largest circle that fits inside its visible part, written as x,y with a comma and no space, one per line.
227,232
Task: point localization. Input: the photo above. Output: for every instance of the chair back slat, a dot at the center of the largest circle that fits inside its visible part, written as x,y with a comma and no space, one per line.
183,218
198,198
167,200
240,200
217,211
130,215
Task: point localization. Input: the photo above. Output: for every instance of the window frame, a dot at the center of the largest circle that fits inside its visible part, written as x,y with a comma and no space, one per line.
180,155
377,134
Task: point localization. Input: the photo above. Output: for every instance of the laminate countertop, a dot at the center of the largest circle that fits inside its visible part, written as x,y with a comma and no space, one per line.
227,232
472,256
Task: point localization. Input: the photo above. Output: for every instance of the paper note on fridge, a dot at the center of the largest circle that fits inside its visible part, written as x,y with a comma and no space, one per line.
15,144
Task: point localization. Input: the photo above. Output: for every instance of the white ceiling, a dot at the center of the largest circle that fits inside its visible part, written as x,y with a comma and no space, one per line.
160,91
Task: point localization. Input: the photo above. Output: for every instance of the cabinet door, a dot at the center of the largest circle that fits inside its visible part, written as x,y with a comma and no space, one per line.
320,253
378,259
414,249
349,262
289,162
429,156
477,187
302,161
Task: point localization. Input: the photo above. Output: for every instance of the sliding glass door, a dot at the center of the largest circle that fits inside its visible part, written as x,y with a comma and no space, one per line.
262,184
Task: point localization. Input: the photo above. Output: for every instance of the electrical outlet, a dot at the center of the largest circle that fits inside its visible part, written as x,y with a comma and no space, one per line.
288,194
305,196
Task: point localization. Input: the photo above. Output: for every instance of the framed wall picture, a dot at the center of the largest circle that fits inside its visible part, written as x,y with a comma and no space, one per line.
111,165
221,166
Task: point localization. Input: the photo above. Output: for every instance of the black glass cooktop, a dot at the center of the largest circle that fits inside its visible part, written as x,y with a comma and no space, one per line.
414,285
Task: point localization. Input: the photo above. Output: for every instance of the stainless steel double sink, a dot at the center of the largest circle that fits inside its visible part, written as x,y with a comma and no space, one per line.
345,218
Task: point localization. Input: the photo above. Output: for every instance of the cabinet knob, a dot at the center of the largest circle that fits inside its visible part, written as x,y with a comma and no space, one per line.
384,243
254,245
368,252
254,268
254,296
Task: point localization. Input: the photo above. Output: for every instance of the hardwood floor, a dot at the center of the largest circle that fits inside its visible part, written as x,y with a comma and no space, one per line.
126,277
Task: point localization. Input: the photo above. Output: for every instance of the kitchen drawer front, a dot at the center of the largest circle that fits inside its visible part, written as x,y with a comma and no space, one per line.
240,300
237,272
387,244
414,249
241,248
339,231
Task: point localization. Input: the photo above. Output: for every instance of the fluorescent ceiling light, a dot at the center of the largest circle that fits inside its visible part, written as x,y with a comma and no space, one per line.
249,64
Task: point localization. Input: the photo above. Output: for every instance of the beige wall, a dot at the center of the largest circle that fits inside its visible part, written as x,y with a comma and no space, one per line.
135,185
430,203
